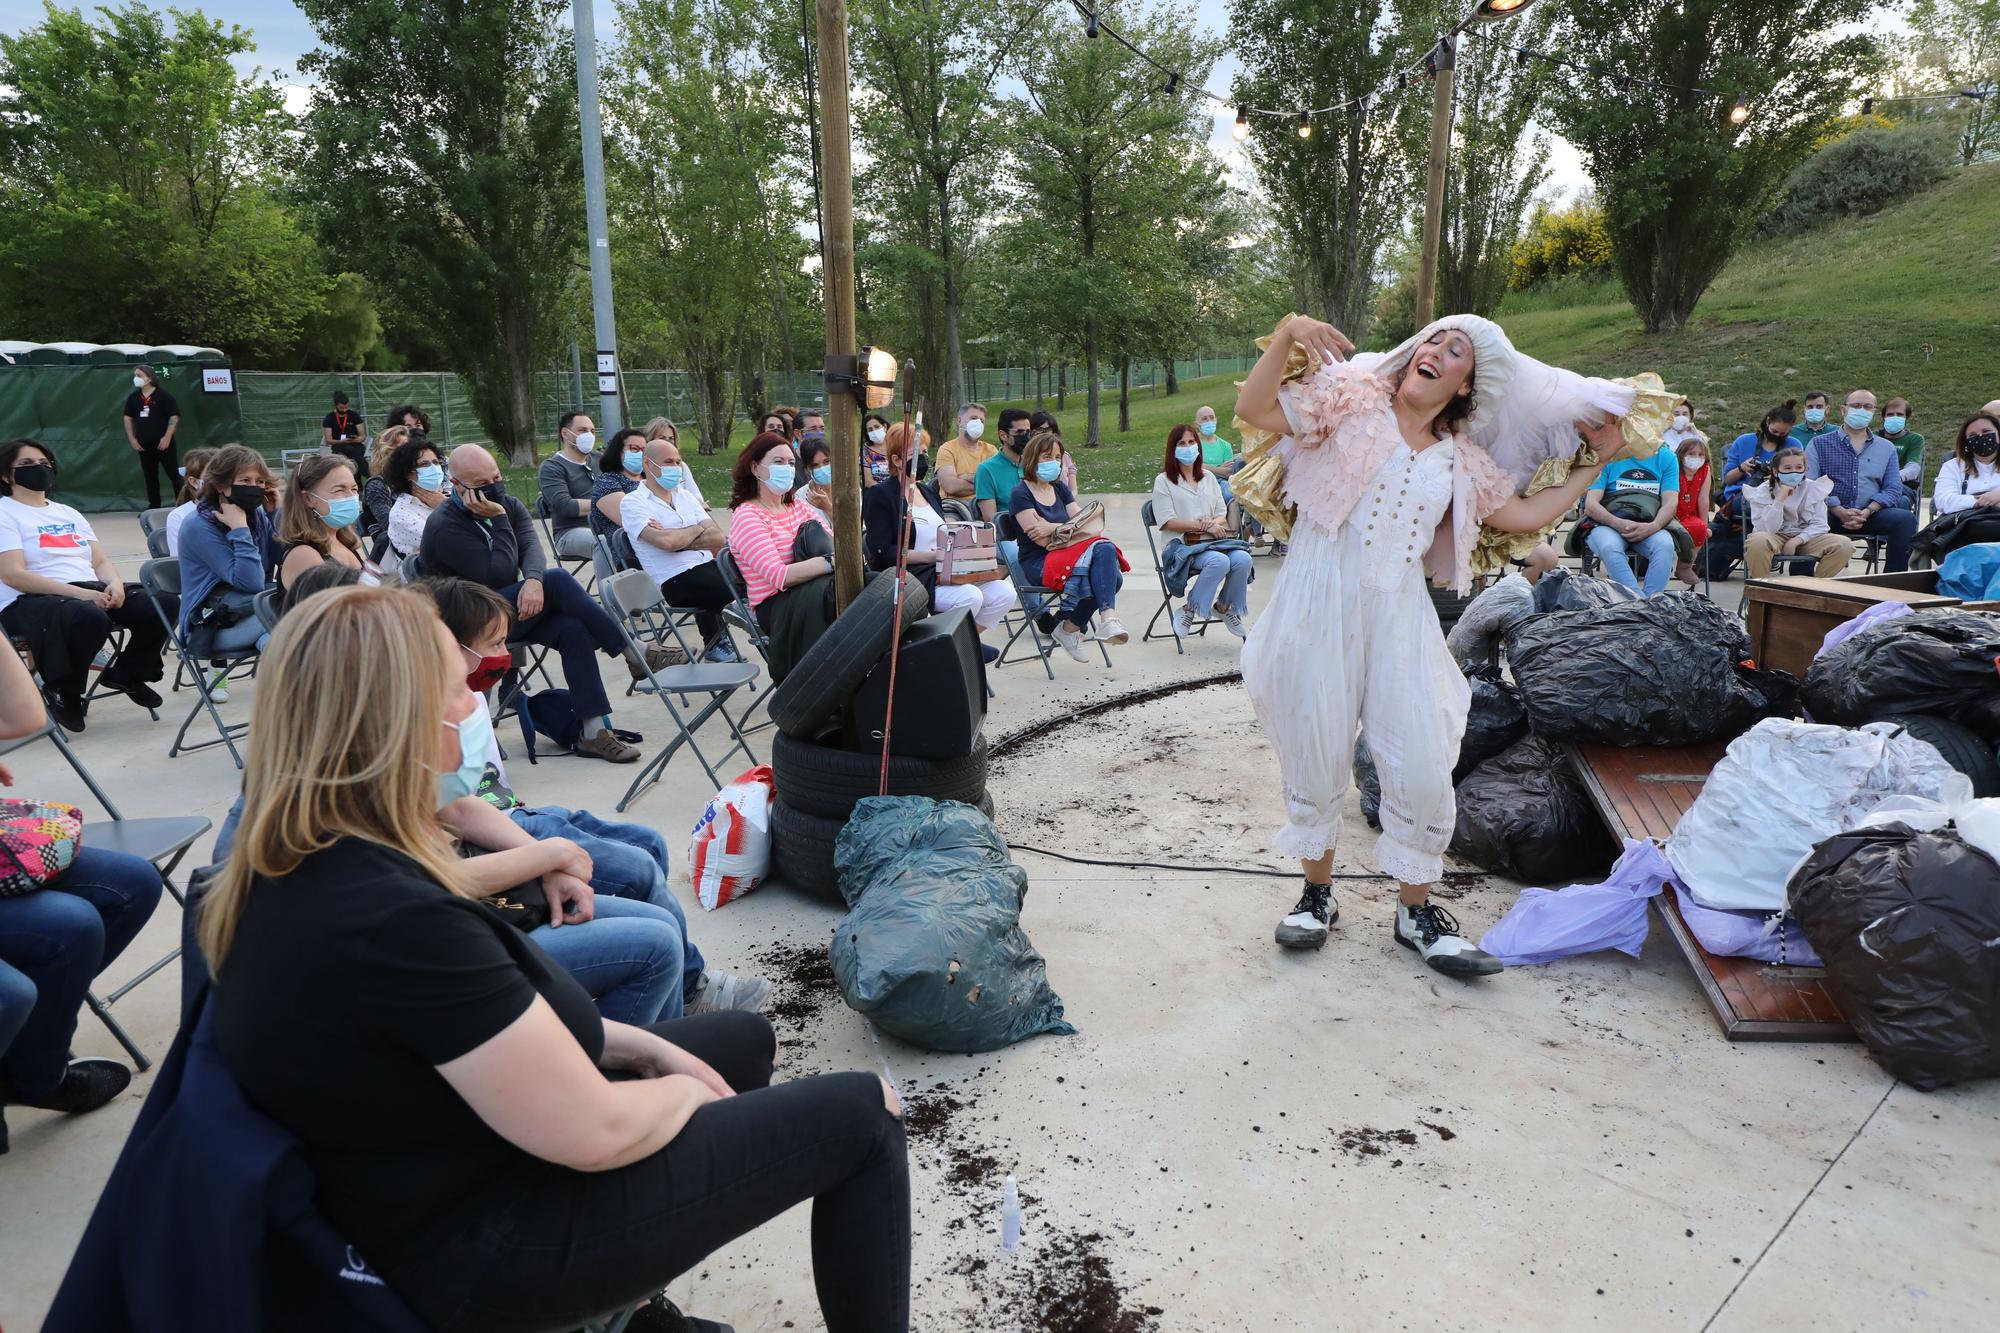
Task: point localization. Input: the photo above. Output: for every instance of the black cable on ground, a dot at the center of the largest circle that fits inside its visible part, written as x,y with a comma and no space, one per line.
1264,871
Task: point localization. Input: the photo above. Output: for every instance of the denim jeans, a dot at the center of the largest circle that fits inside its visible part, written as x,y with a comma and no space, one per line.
628,956
1896,527
550,1247
1093,585
17,1001
1658,550
59,937
627,861
1230,570
246,633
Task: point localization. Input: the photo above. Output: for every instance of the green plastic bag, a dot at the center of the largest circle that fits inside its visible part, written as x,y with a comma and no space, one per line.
932,949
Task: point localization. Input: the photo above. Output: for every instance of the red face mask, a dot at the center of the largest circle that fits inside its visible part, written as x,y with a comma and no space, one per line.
489,672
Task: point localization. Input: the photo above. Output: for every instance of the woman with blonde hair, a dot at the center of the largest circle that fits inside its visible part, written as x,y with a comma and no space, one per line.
377,500
322,501
502,1155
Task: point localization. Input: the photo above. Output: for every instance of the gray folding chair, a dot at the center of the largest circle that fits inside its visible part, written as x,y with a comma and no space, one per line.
162,579
1166,607
153,522
580,569
162,841
636,604
267,604
1036,601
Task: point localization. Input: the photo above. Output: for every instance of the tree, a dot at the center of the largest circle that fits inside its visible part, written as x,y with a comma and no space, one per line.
702,203
444,163
1956,44
1340,194
1496,165
138,187
1110,163
1683,182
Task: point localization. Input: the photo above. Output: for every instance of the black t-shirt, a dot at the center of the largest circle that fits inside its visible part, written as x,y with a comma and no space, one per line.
150,416
350,434
347,984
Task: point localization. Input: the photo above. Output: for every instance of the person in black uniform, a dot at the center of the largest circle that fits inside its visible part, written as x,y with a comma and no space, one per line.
152,418
343,431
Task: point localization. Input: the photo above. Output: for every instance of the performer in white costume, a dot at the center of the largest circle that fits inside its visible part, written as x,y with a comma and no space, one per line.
1393,461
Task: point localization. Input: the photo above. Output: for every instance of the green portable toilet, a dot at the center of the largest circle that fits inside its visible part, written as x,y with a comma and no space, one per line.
71,397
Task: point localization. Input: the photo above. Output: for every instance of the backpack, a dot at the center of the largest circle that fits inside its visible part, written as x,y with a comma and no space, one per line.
548,713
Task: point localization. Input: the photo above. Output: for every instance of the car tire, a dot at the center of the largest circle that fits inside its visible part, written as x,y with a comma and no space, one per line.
1961,748
821,780
826,677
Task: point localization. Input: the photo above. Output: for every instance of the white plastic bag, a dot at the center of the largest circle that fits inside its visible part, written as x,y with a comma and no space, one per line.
1782,788
732,839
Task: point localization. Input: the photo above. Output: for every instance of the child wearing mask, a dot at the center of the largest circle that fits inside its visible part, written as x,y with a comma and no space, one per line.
1687,441
1788,517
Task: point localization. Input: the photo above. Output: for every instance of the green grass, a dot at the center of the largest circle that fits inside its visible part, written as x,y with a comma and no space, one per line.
1129,460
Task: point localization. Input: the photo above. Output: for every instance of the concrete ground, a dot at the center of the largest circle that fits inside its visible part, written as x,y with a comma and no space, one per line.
1236,1138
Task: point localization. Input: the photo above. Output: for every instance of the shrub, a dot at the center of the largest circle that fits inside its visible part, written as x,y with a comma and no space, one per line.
1859,173
1559,243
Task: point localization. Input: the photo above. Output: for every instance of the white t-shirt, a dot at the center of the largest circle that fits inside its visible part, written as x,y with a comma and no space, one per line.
642,506
54,541
181,514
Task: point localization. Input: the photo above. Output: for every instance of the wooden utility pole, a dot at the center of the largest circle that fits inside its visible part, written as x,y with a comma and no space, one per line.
1441,62
837,272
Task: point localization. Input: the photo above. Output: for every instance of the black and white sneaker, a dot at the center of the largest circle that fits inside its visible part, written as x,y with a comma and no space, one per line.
1432,932
1306,925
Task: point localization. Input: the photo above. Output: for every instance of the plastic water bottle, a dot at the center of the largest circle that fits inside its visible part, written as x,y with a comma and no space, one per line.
1010,1217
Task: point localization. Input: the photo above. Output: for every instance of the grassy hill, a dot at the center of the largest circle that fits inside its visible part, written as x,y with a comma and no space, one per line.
1851,304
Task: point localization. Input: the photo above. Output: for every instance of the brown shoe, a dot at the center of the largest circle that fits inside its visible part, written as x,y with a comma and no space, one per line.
607,747
659,657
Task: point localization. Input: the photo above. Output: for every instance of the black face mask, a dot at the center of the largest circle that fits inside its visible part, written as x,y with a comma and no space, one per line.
1980,446
247,497
35,477
496,491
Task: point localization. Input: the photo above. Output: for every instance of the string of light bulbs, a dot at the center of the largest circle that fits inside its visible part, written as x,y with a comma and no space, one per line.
1739,111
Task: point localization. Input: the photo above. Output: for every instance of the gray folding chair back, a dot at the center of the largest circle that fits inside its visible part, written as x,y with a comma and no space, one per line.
642,615
740,611
162,580
162,841
411,569
267,604
1166,607
153,522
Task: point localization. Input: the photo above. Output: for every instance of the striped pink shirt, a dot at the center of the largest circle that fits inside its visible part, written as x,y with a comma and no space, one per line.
761,540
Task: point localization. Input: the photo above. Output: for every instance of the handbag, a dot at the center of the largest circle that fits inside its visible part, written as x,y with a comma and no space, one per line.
1087,522
968,553
41,840
525,907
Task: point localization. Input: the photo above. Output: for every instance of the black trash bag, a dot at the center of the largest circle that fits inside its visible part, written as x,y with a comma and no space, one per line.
932,949
1498,719
1525,814
1665,670
1908,925
1566,590
1368,781
1938,661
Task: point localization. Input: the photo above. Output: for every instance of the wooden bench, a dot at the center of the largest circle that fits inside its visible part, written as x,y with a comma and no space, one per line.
1642,793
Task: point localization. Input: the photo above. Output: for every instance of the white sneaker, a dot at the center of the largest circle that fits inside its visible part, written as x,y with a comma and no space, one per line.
1110,628
725,990
1233,622
1183,622
1071,640
1431,931
217,690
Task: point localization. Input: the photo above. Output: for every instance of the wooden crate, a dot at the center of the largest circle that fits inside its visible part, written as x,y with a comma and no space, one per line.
1790,618
1642,793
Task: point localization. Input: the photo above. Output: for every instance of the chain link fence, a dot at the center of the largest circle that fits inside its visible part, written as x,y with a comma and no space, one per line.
284,410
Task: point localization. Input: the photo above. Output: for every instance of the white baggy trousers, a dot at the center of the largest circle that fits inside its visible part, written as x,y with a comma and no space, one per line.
1350,640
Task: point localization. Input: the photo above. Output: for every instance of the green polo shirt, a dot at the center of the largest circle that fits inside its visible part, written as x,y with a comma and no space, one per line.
995,480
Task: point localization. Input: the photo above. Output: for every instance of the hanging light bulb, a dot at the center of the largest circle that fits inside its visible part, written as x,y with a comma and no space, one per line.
1867,106
1090,28
1242,128
1305,125
1522,56
1739,113
1173,84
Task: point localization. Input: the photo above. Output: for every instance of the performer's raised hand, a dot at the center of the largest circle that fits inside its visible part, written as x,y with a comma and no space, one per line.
1323,342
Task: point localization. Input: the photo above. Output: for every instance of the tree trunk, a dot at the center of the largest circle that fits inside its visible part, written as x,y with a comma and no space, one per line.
1093,393
1040,401
1062,386
518,349
954,352
711,404
1173,379
1124,394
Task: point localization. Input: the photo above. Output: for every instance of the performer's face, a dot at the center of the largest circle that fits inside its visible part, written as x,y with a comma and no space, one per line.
1439,370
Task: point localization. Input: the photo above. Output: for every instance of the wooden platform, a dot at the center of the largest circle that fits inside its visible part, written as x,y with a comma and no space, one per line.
1642,793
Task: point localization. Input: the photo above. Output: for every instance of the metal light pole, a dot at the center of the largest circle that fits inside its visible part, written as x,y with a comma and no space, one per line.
837,272
1443,57
610,384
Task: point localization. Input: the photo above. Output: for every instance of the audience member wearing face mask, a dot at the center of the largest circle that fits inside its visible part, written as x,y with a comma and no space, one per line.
676,540
317,520
227,552
1868,499
565,479
959,458
1788,516
1970,478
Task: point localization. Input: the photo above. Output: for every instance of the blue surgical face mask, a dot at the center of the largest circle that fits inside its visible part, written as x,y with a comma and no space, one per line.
1208,428
1791,478
1893,425
781,476
1187,453
475,741
339,513
635,460
823,475
1048,469
1815,415
1859,417
670,477
431,477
